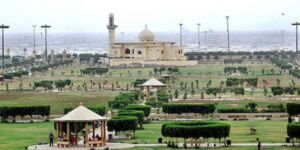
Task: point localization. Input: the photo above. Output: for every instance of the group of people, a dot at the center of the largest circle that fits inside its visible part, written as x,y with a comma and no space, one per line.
73,139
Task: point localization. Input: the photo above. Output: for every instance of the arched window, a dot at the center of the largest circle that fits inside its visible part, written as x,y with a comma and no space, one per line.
127,51
162,52
139,52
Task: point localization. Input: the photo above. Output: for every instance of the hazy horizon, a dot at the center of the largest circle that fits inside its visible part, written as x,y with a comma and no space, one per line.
91,16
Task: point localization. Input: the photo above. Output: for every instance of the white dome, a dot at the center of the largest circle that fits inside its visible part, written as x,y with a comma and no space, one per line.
146,35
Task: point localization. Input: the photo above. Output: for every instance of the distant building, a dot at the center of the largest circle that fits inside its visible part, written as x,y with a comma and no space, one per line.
145,51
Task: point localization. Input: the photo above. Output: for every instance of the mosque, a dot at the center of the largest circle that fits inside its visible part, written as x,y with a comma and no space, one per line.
146,51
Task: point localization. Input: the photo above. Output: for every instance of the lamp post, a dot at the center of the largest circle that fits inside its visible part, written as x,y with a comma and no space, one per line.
282,39
34,26
180,25
227,20
198,36
46,27
205,40
296,24
3,27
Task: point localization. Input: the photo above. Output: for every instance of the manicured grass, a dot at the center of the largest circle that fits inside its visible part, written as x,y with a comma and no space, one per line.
222,148
57,100
19,135
267,132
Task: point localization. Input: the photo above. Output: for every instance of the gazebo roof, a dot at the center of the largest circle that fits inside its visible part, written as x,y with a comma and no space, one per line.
80,114
153,82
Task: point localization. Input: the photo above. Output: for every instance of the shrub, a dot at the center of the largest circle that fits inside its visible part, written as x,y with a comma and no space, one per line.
189,108
145,108
122,123
293,108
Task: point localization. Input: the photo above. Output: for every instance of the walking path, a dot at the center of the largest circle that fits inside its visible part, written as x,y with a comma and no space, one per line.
114,146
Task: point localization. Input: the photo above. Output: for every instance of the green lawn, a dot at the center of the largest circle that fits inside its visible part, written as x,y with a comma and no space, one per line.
267,131
223,148
57,100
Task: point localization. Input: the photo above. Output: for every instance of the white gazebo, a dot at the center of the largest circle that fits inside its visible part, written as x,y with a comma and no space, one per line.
81,120
152,85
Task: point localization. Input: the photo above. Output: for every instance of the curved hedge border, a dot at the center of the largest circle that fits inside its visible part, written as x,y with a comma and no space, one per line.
145,108
136,113
189,108
293,130
195,129
122,123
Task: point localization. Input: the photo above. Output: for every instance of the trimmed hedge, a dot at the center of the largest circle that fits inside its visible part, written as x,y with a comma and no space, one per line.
100,110
22,111
234,110
136,113
293,108
189,108
195,129
145,108
122,123
293,130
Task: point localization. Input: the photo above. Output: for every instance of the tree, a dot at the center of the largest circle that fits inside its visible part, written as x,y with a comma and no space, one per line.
176,93
252,106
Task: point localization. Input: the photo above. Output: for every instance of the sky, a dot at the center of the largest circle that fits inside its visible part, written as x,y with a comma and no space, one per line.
160,15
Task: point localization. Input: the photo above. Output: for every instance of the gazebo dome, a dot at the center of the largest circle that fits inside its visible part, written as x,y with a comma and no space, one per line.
153,82
146,35
80,114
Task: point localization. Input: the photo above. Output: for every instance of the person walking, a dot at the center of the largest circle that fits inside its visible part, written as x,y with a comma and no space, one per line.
51,138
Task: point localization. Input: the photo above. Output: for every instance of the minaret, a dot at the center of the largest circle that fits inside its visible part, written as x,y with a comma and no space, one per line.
64,54
111,31
52,56
8,52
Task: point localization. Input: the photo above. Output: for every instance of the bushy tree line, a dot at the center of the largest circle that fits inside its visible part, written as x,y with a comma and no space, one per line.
238,81
169,69
123,100
189,108
277,90
195,129
231,70
281,63
251,108
48,84
22,111
94,71
15,74
89,56
138,82
99,109
234,110
53,65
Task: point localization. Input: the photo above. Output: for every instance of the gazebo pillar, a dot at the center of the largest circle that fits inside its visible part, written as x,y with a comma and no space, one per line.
86,135
93,130
103,133
148,91
58,129
68,132
76,134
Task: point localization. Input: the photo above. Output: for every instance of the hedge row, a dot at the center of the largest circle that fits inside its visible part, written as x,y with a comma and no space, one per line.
145,108
234,110
93,71
189,108
100,110
195,129
293,130
237,81
22,111
136,113
123,100
15,74
242,70
293,108
122,123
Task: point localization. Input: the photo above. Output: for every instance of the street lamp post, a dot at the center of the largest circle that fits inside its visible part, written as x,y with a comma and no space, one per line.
282,39
180,25
198,36
46,27
228,46
3,27
34,26
205,40
296,24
